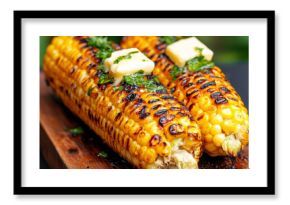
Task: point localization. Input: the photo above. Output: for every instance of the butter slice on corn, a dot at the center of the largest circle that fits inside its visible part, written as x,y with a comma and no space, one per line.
185,49
128,61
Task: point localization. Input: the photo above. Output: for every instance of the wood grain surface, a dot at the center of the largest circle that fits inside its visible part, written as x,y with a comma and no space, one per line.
86,150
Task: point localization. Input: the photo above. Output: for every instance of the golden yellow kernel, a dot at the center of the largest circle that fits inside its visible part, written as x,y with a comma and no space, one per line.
163,148
210,147
226,112
219,139
198,114
216,129
150,155
194,110
228,126
208,138
132,146
142,152
206,128
238,116
204,103
143,138
57,41
216,118
184,121
238,128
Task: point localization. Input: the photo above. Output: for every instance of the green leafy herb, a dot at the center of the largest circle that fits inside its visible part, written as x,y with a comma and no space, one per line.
128,56
75,131
104,46
104,78
139,79
167,39
199,63
176,71
135,79
100,42
104,53
118,88
90,91
199,51
102,154
102,68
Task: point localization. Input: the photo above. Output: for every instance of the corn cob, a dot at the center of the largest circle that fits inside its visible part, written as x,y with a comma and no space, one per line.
212,101
150,130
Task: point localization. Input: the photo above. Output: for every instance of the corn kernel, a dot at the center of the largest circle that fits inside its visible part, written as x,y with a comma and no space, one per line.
216,118
204,103
228,126
238,116
219,139
216,129
226,113
208,138
210,147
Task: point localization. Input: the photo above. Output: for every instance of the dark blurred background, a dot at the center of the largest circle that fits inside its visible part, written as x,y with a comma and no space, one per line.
230,54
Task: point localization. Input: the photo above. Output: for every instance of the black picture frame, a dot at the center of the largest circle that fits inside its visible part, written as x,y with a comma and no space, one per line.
268,190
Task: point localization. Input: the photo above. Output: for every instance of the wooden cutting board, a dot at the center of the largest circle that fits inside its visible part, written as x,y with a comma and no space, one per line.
62,150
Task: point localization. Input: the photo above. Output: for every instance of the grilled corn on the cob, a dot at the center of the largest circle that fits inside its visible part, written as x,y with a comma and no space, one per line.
149,129
212,101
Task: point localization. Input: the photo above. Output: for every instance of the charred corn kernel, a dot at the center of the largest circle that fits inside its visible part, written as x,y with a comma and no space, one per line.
123,119
212,101
204,103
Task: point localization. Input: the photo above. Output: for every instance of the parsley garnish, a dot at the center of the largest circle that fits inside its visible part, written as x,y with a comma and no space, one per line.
199,51
167,39
105,50
198,63
90,91
100,42
119,88
104,53
102,68
176,71
104,46
75,131
104,78
139,79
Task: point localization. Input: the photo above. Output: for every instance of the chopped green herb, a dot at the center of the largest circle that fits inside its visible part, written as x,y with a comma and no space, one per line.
90,91
102,68
104,46
139,79
100,42
104,78
75,131
104,53
135,79
199,51
128,56
199,63
102,154
176,71
167,39
118,88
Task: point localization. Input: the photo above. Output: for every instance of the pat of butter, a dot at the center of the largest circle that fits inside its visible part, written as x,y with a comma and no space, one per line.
128,61
185,49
